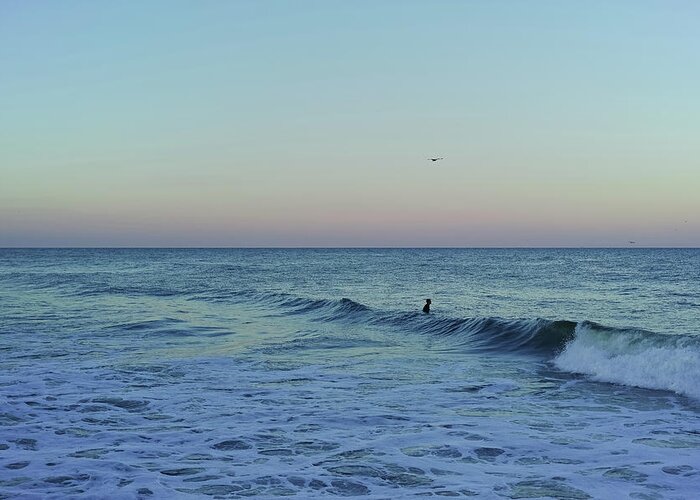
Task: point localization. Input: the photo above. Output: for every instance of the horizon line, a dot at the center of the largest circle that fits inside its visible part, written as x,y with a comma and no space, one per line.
514,247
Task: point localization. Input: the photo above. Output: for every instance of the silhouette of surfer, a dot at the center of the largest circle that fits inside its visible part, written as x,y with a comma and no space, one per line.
426,307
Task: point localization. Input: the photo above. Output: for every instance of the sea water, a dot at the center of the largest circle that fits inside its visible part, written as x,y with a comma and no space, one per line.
227,373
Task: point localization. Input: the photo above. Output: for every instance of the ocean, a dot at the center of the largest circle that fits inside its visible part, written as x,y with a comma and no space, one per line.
229,373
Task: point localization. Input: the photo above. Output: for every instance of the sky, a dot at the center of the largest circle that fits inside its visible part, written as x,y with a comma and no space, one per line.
310,123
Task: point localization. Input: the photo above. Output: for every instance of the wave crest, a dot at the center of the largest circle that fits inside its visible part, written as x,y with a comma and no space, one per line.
481,334
634,357
626,356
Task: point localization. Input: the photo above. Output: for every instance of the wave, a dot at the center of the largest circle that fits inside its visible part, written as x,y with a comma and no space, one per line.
165,327
634,357
626,356
482,334
323,309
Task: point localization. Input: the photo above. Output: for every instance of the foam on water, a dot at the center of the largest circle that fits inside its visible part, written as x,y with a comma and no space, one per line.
238,428
634,358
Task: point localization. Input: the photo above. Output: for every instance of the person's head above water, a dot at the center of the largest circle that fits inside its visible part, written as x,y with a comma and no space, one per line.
428,301
426,307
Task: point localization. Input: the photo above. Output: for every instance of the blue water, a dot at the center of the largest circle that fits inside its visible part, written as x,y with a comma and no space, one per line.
548,373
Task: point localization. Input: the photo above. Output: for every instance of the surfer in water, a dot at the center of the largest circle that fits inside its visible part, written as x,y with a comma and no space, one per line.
426,307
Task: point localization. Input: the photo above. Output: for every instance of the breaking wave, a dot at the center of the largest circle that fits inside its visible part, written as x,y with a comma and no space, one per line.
634,357
626,356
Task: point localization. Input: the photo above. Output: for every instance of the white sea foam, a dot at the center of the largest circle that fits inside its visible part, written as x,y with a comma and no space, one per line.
624,358
227,428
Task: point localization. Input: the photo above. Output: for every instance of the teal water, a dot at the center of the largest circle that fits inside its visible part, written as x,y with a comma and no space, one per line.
558,373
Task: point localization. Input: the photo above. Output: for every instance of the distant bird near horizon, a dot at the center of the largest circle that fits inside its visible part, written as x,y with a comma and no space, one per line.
435,159
633,242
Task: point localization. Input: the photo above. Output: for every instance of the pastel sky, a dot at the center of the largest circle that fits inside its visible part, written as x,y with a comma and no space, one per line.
309,123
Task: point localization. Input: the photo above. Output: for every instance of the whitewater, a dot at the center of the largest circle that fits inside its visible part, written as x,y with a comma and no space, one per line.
230,373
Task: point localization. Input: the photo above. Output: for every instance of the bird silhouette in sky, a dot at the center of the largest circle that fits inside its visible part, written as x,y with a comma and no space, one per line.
435,159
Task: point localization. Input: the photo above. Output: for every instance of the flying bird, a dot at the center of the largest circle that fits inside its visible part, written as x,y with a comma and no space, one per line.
435,159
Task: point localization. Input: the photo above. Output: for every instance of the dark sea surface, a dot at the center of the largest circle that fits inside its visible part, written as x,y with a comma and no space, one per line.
227,373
